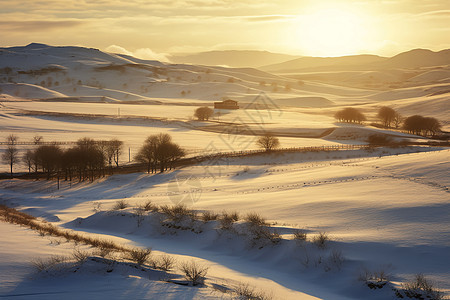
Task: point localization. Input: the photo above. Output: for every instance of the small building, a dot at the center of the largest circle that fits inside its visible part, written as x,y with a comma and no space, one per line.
227,104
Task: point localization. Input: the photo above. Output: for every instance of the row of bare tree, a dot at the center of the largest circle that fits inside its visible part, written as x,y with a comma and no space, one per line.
86,160
390,118
89,158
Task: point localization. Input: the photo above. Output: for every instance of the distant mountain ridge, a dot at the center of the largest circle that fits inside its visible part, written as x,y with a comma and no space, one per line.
416,58
232,58
317,62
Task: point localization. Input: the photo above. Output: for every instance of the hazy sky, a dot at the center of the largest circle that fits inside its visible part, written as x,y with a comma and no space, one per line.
304,27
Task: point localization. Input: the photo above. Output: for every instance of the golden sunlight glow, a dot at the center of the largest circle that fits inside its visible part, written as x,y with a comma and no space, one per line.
331,32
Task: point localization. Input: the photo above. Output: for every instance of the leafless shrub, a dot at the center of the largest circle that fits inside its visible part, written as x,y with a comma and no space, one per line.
227,219
421,288
246,292
336,258
47,264
255,219
234,216
300,235
41,264
194,272
209,216
80,256
149,206
321,240
264,233
103,252
177,212
121,204
163,262
376,279
139,256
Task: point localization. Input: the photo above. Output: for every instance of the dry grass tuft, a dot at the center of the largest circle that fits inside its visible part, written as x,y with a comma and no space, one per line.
49,263
121,204
321,240
209,216
163,262
80,256
149,206
247,292
177,212
194,272
422,288
300,235
139,256
255,219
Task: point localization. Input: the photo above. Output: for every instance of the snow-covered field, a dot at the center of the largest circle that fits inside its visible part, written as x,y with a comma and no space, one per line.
378,210
384,210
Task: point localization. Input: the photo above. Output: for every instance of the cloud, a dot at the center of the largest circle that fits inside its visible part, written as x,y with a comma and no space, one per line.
270,18
436,14
118,50
38,25
142,53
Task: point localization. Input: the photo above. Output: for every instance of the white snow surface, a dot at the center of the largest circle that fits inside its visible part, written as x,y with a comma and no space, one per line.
382,211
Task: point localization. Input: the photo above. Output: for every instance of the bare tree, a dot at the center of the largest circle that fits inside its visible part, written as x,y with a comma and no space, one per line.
49,158
147,154
386,115
350,115
11,139
29,159
268,142
159,150
116,146
203,113
431,126
90,158
398,119
11,156
111,150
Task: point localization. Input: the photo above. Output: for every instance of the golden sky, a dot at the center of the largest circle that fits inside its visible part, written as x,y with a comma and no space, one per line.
150,29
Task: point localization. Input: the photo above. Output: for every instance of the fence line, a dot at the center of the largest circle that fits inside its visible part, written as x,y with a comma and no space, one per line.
279,150
37,144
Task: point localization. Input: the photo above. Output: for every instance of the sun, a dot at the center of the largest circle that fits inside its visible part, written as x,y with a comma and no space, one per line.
331,32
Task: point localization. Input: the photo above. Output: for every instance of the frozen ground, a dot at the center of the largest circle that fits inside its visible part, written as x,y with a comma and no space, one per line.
380,212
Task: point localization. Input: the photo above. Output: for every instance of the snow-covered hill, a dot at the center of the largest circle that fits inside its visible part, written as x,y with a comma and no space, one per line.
382,212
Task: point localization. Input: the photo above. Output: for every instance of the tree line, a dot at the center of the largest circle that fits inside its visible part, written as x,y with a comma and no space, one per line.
89,159
390,118
86,160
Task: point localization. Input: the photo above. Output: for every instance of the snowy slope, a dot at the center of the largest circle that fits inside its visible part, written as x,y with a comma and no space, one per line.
395,217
